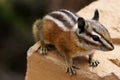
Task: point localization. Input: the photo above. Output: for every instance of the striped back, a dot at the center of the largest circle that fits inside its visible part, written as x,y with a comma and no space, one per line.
64,19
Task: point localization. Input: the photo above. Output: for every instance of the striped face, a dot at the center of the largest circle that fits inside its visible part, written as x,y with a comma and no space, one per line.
96,35
64,19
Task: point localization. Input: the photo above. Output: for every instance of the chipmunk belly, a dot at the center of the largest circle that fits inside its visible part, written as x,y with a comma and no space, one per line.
83,53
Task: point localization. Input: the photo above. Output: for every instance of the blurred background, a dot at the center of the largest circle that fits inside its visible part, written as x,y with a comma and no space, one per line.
16,19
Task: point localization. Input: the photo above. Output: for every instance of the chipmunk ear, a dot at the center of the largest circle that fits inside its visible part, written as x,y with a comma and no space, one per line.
96,15
81,24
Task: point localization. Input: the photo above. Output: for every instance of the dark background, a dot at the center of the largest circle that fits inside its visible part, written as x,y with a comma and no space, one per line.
16,19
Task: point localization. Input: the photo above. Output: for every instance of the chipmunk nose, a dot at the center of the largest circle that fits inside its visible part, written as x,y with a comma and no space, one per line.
111,47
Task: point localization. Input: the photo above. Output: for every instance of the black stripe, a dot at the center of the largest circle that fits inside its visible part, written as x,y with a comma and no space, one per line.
104,39
69,15
61,18
101,36
86,40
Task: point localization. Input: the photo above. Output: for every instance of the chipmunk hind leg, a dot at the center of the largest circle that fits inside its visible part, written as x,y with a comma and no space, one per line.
37,26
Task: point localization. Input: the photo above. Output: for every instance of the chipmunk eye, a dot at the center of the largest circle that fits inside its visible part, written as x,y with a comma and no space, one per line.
95,38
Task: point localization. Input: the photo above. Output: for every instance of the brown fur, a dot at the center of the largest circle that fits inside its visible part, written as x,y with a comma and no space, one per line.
63,41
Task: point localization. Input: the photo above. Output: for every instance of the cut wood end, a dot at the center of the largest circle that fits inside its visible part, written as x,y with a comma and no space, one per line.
33,49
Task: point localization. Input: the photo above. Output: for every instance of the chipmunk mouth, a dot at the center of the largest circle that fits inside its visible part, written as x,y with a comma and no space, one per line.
104,48
111,47
106,45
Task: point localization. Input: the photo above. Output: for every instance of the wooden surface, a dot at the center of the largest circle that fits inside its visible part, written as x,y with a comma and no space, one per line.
44,68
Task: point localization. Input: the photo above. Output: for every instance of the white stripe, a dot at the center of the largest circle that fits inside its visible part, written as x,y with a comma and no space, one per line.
94,33
65,16
57,22
83,35
106,43
75,27
103,40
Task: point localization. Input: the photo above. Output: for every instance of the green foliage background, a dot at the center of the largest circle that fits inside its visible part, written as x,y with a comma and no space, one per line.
16,18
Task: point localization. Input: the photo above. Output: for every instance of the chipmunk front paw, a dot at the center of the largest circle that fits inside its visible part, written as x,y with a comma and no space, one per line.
42,50
94,63
71,70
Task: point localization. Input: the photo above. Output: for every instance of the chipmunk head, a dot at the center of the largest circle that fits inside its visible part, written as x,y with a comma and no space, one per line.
93,34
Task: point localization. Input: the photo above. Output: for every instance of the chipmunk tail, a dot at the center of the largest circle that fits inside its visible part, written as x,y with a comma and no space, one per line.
36,29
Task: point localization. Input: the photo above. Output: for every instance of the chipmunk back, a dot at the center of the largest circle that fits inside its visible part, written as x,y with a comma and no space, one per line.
72,35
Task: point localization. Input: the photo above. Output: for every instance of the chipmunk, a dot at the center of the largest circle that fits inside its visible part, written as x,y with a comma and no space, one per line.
72,36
